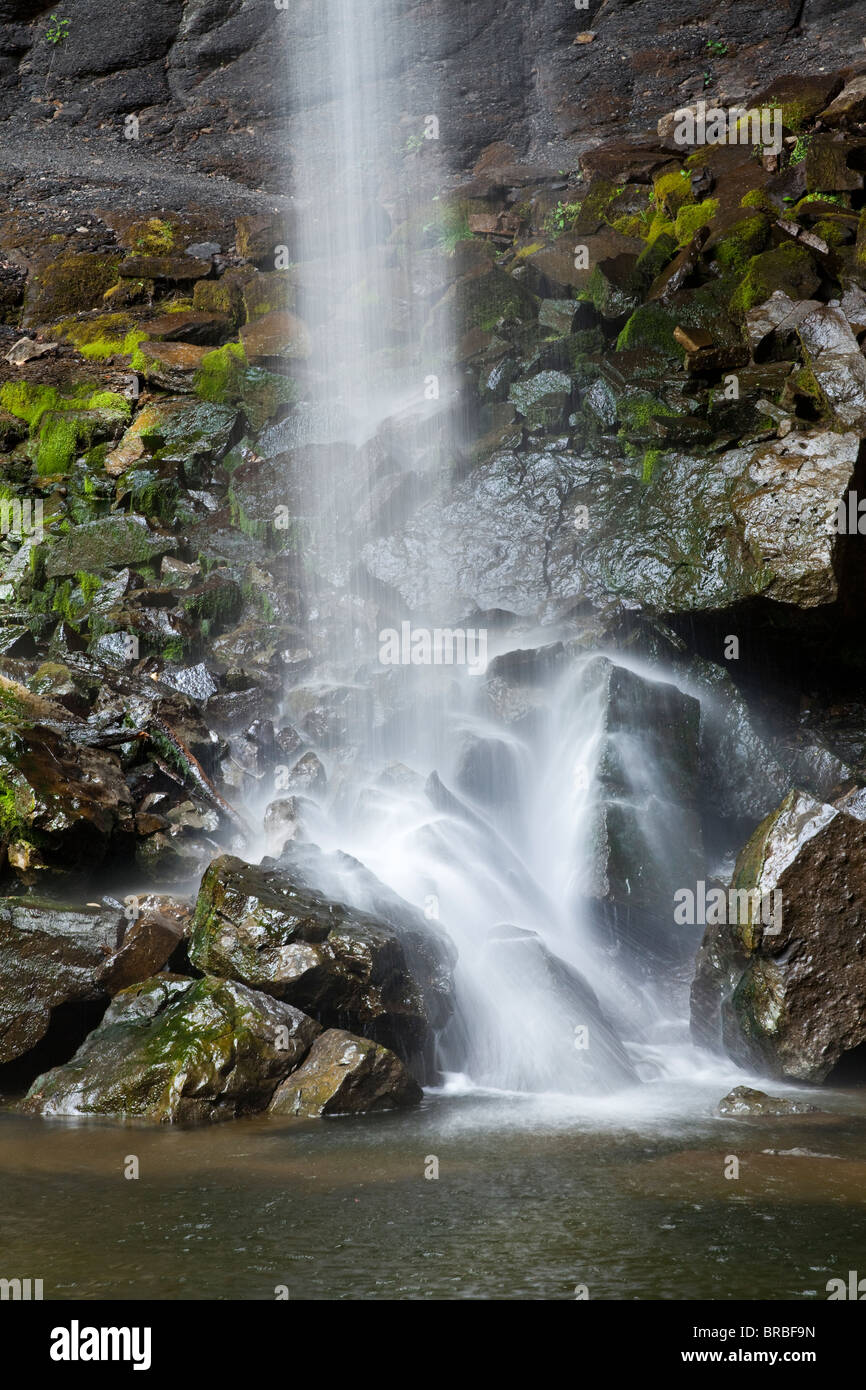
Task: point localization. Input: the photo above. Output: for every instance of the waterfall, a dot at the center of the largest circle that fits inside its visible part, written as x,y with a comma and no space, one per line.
485,825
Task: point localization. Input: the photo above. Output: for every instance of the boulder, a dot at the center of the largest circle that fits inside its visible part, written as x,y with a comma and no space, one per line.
276,335
345,1075
175,269
383,970
50,955
179,1050
744,1100
837,364
110,542
787,998
171,366
787,503
849,106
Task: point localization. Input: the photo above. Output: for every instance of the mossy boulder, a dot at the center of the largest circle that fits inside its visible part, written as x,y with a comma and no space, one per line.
176,1050
788,267
782,987
271,929
692,217
651,326
75,281
828,169
107,543
63,434
175,429
101,336
225,377
225,295
258,235
345,1075
175,269
735,247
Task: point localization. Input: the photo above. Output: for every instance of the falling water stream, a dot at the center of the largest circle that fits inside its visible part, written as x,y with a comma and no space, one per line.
499,851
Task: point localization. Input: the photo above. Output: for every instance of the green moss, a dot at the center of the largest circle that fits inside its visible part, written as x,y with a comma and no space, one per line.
673,191
525,251
636,413
109,335
831,232
788,267
650,462
655,256
758,199
795,115
71,283
744,240
700,157
153,236
691,217
220,378
652,327
30,402
16,806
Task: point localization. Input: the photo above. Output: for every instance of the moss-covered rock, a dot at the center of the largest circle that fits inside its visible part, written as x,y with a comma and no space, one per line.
110,542
269,928
738,244
75,281
225,377
693,216
780,984
268,292
172,366
651,326
225,295
788,267
102,336
63,434
179,1050
345,1075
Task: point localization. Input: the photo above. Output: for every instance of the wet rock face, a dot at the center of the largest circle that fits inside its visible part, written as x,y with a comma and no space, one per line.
384,973
541,530
51,955
173,1049
345,1075
782,989
646,840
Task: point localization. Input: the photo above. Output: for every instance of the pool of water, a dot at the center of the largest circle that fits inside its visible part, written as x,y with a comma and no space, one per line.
535,1197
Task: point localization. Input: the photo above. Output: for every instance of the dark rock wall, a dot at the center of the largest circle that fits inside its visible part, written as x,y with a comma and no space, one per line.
209,77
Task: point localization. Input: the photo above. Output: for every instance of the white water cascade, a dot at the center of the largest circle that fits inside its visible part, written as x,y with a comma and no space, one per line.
485,825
